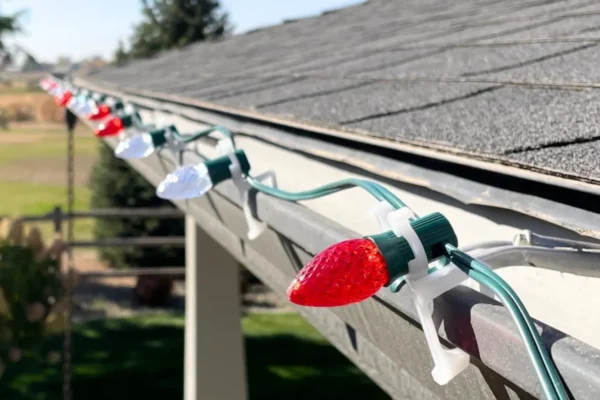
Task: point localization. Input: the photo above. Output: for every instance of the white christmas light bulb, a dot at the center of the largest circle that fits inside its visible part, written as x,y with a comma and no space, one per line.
86,106
56,91
76,103
73,103
137,146
185,183
129,109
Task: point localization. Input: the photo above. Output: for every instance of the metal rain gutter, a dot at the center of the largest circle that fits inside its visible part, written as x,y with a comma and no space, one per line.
382,335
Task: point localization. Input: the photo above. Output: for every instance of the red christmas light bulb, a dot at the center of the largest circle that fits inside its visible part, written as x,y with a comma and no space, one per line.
63,99
101,112
47,84
110,128
345,273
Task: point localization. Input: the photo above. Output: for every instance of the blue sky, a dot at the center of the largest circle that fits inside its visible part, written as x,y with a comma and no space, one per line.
83,28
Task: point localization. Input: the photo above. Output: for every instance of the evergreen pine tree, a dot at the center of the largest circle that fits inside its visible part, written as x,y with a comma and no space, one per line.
115,184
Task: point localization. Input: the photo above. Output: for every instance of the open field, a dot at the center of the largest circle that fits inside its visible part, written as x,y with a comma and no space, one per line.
39,106
33,171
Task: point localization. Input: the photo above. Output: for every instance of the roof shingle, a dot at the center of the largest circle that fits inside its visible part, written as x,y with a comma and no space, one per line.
432,39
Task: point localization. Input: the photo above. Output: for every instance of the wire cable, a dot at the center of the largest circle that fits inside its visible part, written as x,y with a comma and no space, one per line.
374,189
551,383
203,133
540,369
545,368
487,277
467,262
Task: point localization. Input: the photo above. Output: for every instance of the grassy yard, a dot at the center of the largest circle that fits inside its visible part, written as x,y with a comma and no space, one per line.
33,171
7,91
142,358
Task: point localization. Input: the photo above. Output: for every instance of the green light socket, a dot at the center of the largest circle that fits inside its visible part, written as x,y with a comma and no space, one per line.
218,169
127,120
433,230
99,98
159,137
118,106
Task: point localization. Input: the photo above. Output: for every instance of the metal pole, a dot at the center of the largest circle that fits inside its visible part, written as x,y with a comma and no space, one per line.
57,217
214,362
71,120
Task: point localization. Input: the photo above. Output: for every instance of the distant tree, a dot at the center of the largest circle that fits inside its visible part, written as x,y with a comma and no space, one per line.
121,56
10,24
170,24
63,61
116,185
166,24
96,59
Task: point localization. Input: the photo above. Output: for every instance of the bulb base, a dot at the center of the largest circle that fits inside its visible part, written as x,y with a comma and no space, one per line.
118,106
99,98
218,168
434,230
127,120
159,136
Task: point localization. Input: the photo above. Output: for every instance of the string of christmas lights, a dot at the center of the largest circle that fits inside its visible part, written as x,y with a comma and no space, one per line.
345,273
144,144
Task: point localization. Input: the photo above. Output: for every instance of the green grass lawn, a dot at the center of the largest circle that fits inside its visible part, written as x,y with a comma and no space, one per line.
33,172
36,198
45,143
142,358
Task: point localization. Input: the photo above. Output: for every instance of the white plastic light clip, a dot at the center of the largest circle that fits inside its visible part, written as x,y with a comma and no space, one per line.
175,146
129,109
110,101
425,287
255,227
225,146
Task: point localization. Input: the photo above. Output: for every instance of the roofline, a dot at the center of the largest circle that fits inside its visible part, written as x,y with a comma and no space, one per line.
429,150
318,143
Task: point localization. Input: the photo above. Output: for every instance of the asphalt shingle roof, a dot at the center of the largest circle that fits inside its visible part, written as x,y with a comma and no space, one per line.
501,46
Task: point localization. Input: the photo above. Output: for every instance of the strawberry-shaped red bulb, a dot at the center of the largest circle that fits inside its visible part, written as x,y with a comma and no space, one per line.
101,112
110,128
345,273
63,99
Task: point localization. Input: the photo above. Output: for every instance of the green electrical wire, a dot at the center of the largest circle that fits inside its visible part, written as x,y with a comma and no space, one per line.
540,369
542,356
459,256
545,369
372,188
551,382
195,136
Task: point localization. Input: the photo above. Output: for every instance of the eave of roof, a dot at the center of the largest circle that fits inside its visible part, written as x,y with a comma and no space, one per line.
500,86
469,184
